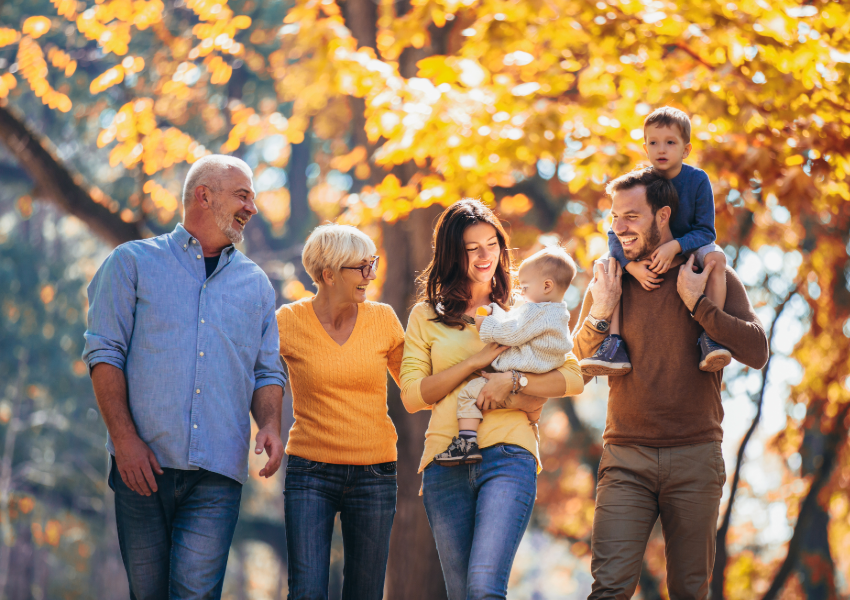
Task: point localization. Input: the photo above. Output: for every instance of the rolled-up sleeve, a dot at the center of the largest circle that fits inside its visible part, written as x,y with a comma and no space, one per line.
571,370
268,369
416,363
112,311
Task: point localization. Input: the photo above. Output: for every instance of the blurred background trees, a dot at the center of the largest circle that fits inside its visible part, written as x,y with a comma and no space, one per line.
378,113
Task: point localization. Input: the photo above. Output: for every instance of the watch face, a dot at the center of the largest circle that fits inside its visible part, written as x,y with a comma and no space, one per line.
602,326
523,381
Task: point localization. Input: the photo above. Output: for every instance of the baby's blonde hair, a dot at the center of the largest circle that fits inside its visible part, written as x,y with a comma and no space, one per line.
334,246
554,263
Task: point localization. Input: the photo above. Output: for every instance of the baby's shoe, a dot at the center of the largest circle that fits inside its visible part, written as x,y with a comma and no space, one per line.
460,452
610,360
713,356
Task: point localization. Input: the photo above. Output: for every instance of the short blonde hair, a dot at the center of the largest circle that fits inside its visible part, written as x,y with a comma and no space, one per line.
333,246
554,263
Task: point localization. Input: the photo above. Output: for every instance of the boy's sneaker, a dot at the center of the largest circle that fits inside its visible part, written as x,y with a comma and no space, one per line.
460,452
610,360
713,356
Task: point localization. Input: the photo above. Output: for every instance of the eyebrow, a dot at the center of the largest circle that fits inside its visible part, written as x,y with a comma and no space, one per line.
245,190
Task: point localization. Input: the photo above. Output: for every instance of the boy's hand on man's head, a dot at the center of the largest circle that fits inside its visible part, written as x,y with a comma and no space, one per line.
648,279
663,256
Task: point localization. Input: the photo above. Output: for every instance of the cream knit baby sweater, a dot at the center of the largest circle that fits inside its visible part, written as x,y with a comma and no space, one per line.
538,333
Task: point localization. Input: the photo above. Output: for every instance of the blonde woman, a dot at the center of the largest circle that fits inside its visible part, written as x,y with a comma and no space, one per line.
342,448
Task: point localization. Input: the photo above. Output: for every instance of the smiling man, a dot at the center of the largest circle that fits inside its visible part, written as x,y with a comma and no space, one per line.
182,343
663,429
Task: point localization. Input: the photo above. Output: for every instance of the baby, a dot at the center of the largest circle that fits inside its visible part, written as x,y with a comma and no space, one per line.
538,333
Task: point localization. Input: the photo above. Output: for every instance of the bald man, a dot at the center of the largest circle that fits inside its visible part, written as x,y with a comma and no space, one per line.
182,343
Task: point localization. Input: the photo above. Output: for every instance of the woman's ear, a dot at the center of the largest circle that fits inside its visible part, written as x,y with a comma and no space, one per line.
328,276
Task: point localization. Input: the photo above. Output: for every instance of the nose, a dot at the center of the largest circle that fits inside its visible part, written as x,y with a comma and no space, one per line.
251,206
617,227
373,274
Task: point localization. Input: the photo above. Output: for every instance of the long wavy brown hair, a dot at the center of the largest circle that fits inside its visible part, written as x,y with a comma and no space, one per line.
445,282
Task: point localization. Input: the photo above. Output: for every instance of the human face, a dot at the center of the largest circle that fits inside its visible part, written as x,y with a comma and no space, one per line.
532,284
666,149
482,252
232,205
353,283
634,224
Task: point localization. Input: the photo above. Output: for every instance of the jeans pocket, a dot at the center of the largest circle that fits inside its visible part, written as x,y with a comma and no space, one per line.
517,452
385,470
296,463
240,320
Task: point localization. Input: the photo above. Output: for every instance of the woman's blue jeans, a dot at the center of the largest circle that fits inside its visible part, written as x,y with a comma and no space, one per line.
365,497
478,514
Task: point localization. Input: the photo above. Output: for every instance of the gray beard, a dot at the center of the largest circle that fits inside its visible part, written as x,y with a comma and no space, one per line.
224,222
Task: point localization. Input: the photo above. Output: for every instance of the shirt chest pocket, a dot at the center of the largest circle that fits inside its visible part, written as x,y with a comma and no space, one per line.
241,320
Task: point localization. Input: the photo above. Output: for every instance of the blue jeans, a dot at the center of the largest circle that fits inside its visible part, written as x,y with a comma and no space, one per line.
175,542
478,514
365,498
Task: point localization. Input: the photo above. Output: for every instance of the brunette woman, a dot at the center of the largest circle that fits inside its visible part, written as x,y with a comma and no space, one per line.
479,512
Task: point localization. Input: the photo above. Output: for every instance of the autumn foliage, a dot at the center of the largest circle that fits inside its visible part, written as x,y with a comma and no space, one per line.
531,105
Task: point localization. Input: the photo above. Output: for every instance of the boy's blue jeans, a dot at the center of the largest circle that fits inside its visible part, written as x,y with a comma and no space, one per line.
478,514
175,542
365,497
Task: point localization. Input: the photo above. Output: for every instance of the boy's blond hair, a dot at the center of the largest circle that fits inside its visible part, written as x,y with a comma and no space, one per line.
334,246
554,263
667,116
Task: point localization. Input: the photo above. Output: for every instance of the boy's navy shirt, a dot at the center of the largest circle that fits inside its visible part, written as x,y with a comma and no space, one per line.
693,223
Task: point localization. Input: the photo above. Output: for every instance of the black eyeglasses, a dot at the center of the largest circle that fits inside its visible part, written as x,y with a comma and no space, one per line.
366,270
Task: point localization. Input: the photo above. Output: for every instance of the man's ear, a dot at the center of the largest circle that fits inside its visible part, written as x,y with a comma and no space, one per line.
688,148
662,217
201,196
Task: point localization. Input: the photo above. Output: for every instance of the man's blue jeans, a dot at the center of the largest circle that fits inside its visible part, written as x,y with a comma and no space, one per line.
478,514
175,542
365,497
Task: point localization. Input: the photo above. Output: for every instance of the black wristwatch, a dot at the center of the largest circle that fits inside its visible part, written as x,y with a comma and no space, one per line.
599,325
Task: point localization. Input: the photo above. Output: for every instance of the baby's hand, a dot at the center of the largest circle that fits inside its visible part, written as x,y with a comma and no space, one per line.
663,256
478,321
647,278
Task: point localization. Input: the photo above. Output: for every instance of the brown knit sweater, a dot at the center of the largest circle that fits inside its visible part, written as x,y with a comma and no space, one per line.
666,400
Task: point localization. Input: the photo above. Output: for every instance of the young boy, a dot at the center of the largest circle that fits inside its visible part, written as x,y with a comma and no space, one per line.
667,142
538,333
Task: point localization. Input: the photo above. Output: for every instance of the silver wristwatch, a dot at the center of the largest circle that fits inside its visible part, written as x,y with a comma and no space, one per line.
599,325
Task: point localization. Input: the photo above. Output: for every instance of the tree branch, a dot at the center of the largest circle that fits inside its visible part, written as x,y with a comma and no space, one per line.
718,578
56,183
810,503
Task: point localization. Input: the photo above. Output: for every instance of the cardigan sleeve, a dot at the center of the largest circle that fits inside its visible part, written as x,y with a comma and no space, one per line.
416,362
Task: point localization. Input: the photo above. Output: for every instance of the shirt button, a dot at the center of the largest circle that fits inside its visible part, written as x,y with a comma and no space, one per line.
184,245
205,286
195,425
202,321
202,353
199,256
198,391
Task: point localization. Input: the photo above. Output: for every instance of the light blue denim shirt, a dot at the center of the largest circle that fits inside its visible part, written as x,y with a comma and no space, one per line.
193,349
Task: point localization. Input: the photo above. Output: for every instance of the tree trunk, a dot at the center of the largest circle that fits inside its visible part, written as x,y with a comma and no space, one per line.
55,182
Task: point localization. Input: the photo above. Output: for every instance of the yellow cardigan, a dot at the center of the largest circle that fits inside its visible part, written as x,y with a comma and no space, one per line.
430,348
339,393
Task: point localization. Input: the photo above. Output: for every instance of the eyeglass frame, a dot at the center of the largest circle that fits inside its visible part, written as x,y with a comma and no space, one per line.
372,266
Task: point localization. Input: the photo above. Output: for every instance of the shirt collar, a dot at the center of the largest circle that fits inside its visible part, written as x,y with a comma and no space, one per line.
186,240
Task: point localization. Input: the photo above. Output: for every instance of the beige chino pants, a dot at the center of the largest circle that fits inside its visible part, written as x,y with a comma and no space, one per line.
637,484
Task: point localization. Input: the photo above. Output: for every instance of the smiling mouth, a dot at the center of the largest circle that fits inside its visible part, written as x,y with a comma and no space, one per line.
242,221
484,267
362,288
627,242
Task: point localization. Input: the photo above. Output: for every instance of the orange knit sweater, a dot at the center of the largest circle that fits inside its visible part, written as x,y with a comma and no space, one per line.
339,393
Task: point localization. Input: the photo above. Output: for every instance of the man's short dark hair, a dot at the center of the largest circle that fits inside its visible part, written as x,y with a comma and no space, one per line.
660,192
667,116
